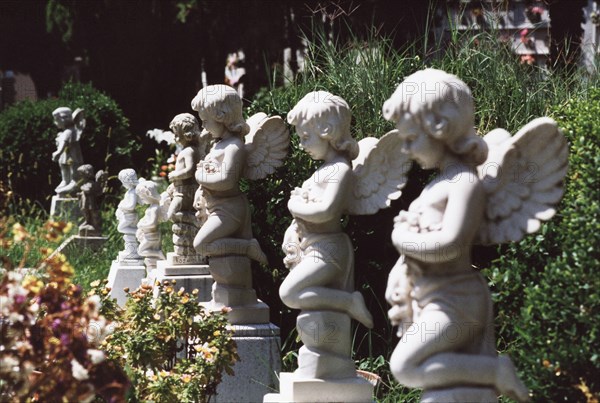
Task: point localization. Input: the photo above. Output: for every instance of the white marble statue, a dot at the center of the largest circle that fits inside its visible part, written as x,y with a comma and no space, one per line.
148,233
194,145
127,216
355,178
68,151
90,191
489,190
251,150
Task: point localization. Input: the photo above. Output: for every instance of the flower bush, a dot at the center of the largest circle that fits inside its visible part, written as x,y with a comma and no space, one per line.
171,347
50,331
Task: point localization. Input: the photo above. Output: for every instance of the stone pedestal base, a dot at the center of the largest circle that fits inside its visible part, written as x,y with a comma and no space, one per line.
189,277
295,389
327,349
65,209
459,395
125,274
259,347
233,288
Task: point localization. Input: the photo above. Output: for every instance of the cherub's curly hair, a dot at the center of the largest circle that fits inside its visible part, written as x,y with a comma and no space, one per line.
148,190
224,104
442,105
336,112
186,125
128,175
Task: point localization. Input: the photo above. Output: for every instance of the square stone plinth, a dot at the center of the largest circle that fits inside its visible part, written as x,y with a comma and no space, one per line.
293,389
190,277
124,276
259,348
65,209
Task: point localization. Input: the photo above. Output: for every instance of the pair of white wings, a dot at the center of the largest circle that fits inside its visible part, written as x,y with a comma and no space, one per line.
522,177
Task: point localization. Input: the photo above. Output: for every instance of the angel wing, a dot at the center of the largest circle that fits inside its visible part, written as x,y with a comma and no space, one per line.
266,145
523,179
380,173
79,120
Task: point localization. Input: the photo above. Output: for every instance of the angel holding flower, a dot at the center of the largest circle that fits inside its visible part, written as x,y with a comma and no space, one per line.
241,149
479,196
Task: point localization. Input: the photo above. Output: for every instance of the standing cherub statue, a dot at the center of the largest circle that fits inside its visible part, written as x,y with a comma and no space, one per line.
355,178
148,233
68,152
90,192
127,216
482,194
183,185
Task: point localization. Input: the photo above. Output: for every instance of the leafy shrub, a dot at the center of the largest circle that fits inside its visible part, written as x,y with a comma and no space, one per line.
546,286
48,350
173,349
27,136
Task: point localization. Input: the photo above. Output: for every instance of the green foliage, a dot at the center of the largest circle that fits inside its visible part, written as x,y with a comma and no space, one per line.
173,349
546,286
27,135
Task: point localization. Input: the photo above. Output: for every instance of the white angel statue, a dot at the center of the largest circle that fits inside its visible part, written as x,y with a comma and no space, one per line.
227,229
355,178
490,190
68,152
148,233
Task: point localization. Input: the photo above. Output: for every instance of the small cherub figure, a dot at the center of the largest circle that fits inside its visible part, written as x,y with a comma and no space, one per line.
126,214
227,229
194,145
90,192
68,152
148,233
433,289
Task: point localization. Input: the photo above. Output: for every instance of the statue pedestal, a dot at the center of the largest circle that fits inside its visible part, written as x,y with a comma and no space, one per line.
297,389
458,395
259,348
65,209
233,288
189,276
125,273
325,373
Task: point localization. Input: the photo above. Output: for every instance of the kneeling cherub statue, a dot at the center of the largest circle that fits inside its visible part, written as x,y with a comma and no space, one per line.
480,195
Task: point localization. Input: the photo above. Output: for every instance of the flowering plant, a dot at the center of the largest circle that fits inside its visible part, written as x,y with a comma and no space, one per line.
172,349
48,348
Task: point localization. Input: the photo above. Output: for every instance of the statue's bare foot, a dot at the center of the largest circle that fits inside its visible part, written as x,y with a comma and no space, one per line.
507,381
255,252
358,310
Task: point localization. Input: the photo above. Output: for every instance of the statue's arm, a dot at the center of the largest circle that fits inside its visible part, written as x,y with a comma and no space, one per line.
228,173
331,204
188,169
462,218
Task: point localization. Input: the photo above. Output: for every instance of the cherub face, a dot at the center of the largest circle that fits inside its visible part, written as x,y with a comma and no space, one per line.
311,141
419,145
212,125
61,120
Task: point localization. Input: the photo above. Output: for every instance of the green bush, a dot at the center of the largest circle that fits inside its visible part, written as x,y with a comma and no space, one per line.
27,136
546,286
